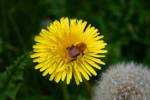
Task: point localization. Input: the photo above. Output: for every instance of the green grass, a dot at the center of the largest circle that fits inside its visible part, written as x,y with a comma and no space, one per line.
124,23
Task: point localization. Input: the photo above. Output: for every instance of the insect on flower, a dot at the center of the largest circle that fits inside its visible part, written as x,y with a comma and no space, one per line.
75,50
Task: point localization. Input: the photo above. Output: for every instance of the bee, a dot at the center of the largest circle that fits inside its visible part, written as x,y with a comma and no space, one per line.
75,50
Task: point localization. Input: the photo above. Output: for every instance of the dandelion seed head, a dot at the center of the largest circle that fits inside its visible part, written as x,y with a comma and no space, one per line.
124,81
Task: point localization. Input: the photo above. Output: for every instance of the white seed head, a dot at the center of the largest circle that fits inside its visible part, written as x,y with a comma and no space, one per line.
124,81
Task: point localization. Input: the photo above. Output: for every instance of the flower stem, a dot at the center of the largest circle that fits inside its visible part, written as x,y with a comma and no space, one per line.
88,88
65,91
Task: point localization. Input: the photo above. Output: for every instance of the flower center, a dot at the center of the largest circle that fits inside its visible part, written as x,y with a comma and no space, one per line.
76,49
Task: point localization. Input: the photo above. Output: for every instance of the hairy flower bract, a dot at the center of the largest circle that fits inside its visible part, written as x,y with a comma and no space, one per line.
68,48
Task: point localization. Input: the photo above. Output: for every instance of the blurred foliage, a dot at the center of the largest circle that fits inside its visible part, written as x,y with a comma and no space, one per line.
124,23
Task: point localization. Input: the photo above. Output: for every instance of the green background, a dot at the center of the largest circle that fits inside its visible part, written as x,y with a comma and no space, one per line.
124,23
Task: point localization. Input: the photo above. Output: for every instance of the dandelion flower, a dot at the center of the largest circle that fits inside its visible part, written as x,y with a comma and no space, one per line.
124,82
68,48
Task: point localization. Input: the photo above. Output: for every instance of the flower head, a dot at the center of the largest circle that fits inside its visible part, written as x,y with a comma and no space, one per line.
124,82
68,48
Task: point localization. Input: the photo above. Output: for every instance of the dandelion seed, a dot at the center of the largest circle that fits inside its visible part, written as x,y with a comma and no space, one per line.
124,82
68,48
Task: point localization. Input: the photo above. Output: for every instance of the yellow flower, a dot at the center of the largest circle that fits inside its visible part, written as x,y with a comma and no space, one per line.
68,48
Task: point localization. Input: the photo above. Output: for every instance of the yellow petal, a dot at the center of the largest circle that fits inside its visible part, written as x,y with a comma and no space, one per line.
53,67
43,54
46,72
83,73
69,75
93,64
76,78
84,68
64,73
40,46
77,73
60,66
41,40
45,66
95,55
99,37
90,68
39,60
58,77
40,65
52,76
95,60
103,51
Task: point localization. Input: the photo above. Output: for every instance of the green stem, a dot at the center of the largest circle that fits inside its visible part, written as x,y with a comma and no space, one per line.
18,87
89,89
65,91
